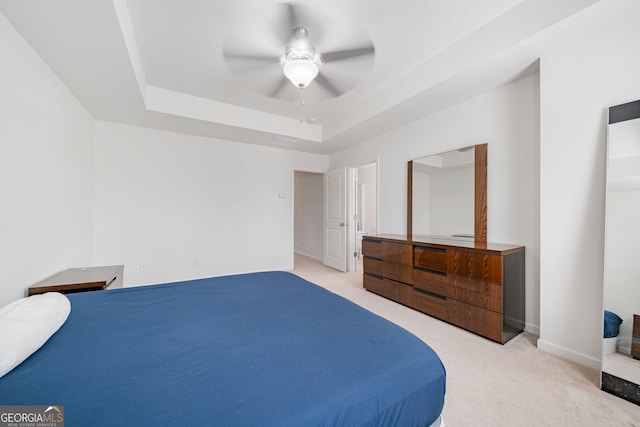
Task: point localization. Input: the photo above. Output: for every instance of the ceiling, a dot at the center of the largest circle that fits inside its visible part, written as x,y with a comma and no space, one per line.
160,64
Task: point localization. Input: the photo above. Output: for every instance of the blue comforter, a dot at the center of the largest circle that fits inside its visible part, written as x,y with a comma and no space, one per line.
246,350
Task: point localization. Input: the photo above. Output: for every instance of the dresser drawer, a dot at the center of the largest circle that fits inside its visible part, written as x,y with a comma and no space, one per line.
397,253
372,266
400,272
476,292
430,258
431,304
475,265
372,248
431,282
396,291
475,319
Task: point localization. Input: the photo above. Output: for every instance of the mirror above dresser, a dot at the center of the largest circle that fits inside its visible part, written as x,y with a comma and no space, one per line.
447,195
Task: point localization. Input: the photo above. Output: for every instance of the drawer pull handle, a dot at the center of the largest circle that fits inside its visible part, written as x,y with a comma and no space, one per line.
429,248
439,273
431,294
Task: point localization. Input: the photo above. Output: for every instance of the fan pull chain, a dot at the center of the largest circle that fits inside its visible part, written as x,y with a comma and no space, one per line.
301,106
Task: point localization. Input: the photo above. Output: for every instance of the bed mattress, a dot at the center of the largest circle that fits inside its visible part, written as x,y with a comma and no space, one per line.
245,350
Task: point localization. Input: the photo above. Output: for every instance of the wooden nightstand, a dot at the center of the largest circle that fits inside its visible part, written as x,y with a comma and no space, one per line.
80,280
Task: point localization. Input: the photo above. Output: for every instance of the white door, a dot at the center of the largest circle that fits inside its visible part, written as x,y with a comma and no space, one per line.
335,219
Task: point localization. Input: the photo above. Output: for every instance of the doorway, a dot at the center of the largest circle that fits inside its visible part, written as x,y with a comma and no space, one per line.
361,199
363,209
307,219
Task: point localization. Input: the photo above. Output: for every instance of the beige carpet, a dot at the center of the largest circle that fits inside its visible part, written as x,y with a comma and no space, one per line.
489,384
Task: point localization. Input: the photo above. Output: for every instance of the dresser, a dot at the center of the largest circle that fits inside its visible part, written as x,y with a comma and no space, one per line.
478,287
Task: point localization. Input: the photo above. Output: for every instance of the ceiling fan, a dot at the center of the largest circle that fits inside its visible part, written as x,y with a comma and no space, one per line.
299,64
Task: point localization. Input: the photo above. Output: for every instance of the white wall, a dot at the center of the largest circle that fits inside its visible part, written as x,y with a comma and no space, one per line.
596,66
508,120
308,214
46,160
163,200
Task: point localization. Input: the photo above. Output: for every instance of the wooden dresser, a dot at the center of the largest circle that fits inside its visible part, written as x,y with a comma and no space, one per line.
478,287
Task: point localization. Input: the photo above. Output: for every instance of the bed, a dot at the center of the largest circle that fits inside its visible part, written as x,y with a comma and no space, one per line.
245,350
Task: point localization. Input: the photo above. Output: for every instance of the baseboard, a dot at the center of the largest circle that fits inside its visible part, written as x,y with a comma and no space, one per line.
307,255
531,328
624,345
624,349
565,353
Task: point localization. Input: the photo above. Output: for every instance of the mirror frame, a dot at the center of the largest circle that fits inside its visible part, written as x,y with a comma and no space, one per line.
480,195
610,383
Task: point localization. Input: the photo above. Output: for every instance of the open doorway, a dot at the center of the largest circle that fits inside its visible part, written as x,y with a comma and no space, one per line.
361,198
363,209
307,219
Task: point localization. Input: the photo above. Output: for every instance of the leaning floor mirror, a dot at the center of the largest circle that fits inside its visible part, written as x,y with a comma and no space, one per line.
621,332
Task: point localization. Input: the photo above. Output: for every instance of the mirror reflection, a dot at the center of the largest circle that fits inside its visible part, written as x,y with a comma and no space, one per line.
622,267
443,194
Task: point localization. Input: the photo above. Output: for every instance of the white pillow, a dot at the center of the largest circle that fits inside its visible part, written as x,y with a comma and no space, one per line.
26,324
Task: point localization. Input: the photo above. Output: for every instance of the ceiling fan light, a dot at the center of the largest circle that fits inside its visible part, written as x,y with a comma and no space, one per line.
300,71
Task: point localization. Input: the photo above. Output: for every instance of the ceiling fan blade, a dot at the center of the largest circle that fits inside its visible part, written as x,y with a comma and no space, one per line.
293,17
264,58
346,54
325,83
279,87
288,19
